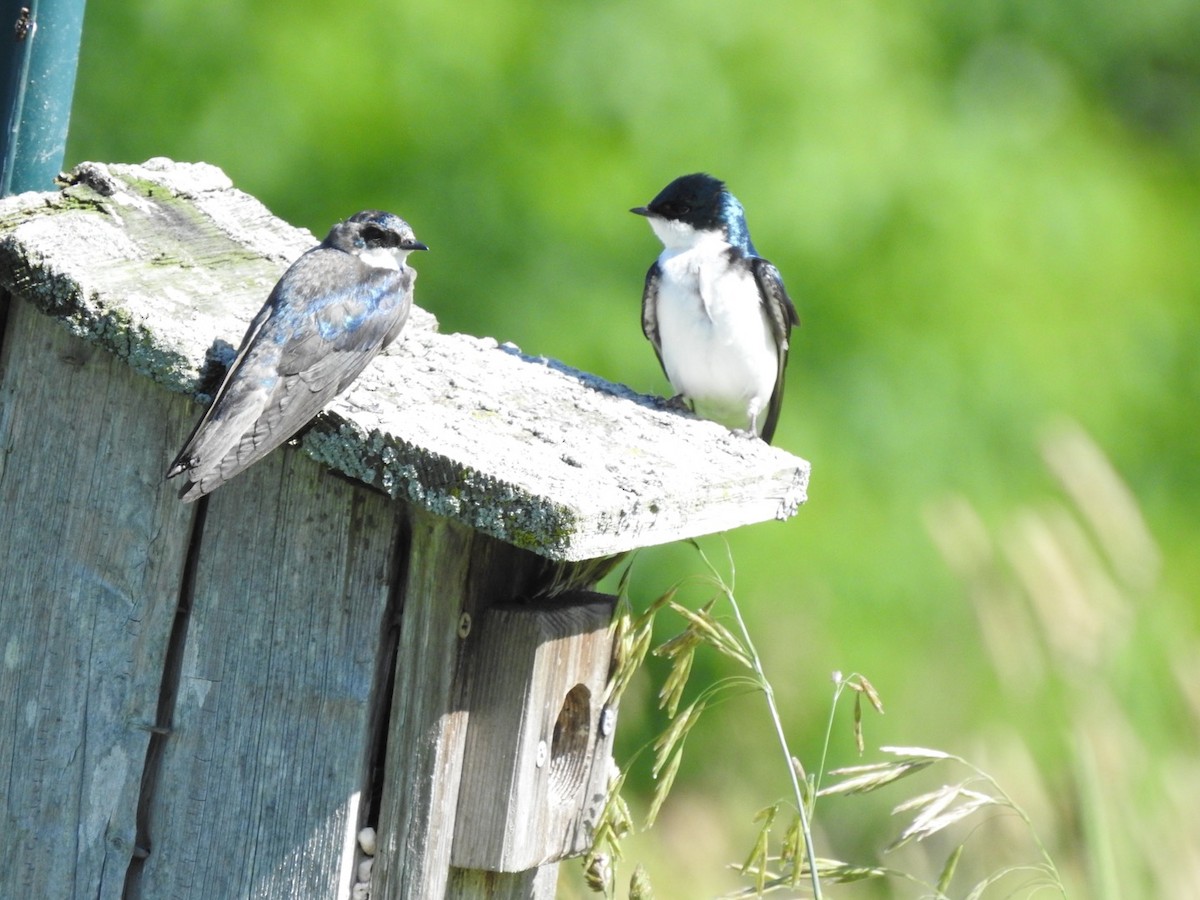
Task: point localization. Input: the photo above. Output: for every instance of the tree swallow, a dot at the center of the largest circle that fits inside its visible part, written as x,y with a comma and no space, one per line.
333,310
716,312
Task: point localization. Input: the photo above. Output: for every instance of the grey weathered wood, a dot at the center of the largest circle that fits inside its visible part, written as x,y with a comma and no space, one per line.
525,449
538,758
473,884
91,557
259,784
430,707
413,856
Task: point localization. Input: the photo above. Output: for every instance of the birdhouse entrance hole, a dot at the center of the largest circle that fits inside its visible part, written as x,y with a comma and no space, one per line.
569,748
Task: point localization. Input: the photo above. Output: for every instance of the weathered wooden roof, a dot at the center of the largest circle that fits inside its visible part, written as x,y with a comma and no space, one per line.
156,262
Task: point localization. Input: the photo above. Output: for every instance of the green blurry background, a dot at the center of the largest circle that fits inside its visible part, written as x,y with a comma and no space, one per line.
989,217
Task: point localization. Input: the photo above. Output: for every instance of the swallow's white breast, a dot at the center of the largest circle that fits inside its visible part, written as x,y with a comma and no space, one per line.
717,346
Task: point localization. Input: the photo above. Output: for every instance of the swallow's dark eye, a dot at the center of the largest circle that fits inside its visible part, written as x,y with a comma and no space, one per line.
683,209
372,233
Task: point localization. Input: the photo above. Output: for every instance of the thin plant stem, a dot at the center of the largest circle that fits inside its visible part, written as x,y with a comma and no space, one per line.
837,694
768,692
1024,816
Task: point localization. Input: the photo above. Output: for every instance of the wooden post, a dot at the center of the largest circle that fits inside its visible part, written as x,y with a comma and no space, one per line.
212,699
257,787
92,555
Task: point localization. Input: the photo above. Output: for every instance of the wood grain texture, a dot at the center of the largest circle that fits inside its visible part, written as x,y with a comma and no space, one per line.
91,555
156,262
537,760
473,884
427,722
259,787
454,575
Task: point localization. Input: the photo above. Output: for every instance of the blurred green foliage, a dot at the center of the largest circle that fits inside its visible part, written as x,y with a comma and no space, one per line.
988,214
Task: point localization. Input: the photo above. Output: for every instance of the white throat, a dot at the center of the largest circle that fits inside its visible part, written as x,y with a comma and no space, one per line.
384,258
676,235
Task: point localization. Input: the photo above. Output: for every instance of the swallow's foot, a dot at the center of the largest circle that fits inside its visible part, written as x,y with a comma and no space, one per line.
677,404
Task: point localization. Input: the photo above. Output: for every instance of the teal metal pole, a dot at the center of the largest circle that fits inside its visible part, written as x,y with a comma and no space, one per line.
39,55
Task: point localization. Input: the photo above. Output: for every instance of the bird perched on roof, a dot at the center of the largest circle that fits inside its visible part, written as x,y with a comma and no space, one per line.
333,310
716,312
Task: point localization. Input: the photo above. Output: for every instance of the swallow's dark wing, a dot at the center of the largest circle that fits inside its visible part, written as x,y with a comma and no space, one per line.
781,315
184,460
325,320
650,311
346,328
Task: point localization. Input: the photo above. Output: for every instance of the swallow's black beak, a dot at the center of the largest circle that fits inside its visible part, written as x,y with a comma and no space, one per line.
414,245
640,211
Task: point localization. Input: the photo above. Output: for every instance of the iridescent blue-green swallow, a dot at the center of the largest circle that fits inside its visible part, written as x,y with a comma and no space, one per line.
715,311
338,305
